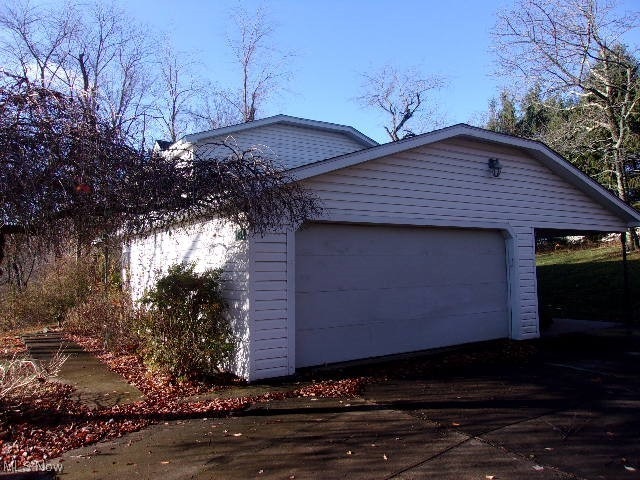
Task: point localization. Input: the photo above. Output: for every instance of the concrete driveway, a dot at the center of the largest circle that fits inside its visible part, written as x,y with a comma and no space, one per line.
570,411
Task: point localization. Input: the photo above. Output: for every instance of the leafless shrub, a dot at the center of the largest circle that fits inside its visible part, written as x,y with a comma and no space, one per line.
59,286
19,376
110,316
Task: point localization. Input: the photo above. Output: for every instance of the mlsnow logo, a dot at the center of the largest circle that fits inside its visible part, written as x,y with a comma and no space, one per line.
35,466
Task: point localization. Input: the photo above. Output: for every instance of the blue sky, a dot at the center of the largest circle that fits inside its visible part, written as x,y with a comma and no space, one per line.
334,41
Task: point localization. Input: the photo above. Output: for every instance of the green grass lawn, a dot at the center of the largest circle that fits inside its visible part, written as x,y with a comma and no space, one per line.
587,283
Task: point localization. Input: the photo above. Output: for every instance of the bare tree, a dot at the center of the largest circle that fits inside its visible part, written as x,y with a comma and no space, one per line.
402,95
263,68
214,110
37,42
575,48
115,58
97,54
178,94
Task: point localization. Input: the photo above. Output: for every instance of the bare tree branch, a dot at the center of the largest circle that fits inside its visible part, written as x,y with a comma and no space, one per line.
263,68
401,95
65,173
575,47
97,54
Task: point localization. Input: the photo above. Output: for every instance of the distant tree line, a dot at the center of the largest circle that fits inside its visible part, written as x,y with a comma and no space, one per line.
134,76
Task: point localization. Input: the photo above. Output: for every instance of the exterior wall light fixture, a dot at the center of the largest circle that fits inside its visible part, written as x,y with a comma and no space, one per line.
495,166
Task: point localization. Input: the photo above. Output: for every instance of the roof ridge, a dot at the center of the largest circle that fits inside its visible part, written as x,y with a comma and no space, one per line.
286,119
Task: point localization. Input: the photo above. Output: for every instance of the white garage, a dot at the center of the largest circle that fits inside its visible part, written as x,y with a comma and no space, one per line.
421,243
367,291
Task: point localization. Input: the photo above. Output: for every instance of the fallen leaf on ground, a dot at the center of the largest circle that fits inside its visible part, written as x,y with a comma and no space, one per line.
46,425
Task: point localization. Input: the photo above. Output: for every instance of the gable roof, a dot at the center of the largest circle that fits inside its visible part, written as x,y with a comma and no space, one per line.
285,120
538,150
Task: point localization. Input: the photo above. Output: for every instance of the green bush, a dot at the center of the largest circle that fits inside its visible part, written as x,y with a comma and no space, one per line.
187,333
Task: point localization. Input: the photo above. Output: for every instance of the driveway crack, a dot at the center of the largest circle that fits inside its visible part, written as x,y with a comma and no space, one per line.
480,438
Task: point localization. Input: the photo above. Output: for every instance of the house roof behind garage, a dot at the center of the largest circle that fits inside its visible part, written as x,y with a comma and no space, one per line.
284,120
288,141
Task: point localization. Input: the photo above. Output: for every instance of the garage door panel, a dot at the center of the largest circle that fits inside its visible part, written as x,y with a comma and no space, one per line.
433,332
394,304
335,239
373,339
368,291
317,273
329,344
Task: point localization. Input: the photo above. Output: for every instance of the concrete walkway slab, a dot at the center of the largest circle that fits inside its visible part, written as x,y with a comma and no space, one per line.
575,409
96,385
477,460
288,439
572,411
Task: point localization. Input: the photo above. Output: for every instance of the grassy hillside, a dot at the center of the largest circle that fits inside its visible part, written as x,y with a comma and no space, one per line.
587,284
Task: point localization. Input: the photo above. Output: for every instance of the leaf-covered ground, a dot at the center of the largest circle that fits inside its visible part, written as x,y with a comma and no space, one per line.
42,426
11,346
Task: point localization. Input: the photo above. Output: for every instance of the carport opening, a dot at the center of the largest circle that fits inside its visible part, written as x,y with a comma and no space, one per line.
581,276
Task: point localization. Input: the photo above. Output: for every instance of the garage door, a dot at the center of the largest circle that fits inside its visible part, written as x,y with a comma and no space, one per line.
367,291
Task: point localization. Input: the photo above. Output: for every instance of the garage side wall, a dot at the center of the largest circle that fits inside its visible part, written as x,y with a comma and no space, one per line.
445,184
208,245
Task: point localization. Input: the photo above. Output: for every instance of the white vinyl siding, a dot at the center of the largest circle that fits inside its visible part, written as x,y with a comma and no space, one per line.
450,180
209,245
447,184
269,305
293,146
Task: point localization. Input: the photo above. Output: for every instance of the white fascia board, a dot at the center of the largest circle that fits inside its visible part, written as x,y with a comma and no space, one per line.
287,120
538,150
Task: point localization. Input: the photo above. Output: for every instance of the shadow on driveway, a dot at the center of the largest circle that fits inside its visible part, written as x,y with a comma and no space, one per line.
570,408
